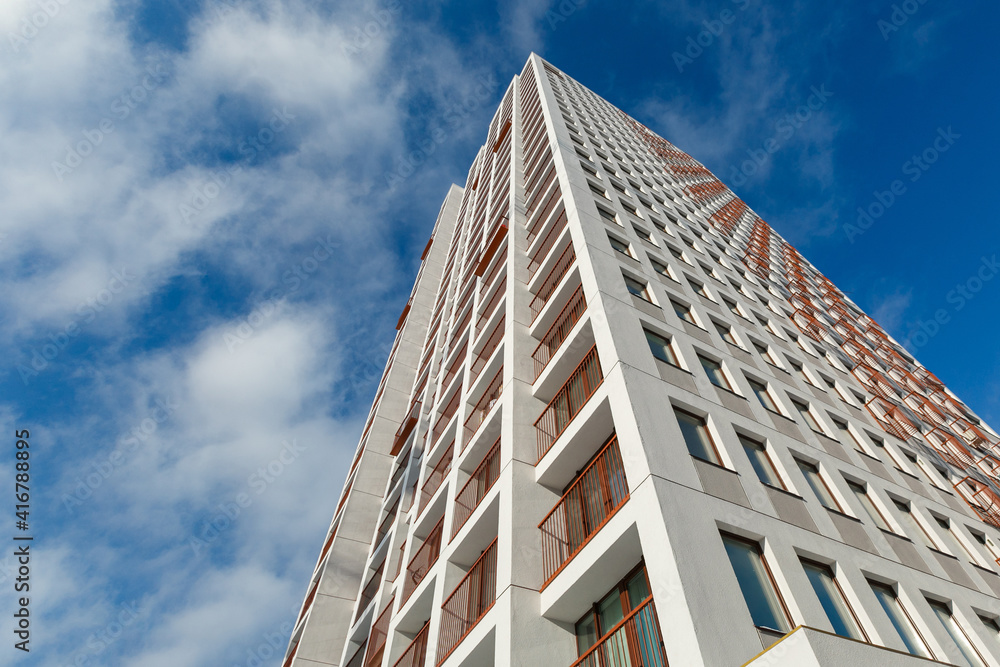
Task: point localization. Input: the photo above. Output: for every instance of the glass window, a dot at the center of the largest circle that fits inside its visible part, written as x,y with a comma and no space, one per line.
870,509
911,521
759,593
765,353
714,371
763,395
661,348
696,436
834,603
761,462
957,547
637,288
818,485
726,332
970,655
620,246
662,269
620,601
900,620
807,415
992,628
683,312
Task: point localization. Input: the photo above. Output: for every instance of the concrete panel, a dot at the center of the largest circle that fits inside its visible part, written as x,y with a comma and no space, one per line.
649,308
953,568
734,402
852,531
791,509
807,647
721,482
786,426
906,552
676,376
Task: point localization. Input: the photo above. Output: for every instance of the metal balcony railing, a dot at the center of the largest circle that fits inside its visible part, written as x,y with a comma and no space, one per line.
482,408
552,281
479,484
983,501
568,401
554,337
593,498
423,560
416,652
449,411
469,602
434,480
488,347
634,642
491,306
378,635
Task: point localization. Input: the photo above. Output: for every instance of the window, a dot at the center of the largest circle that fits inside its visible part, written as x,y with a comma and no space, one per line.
861,493
913,524
759,592
713,369
833,385
630,594
807,416
957,547
764,353
661,348
643,234
676,253
733,307
696,436
830,595
957,633
620,246
606,214
683,312
818,485
900,619
598,190
847,437
992,628
726,332
637,288
761,462
662,269
763,395
800,371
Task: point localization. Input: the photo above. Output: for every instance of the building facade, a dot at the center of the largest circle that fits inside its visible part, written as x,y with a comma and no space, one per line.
625,423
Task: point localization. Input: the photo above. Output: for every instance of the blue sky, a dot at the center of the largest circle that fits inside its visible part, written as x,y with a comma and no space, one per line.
209,228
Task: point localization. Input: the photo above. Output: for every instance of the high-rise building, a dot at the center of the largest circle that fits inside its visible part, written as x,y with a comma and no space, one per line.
625,423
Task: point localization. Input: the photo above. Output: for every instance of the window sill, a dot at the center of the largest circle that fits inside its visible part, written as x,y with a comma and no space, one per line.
869,456
714,464
896,535
674,366
784,491
942,553
729,391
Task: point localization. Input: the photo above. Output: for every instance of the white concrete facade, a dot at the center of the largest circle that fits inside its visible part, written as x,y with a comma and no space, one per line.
489,511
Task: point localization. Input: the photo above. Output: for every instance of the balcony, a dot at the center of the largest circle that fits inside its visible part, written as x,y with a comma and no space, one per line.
369,591
634,642
386,524
377,637
469,602
479,484
423,560
498,296
416,652
551,282
434,480
568,401
487,350
543,250
557,333
482,408
446,414
589,502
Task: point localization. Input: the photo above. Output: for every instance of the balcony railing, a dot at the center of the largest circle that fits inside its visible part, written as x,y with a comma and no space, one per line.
593,498
482,408
369,591
552,281
568,401
634,642
482,480
434,480
442,423
554,337
386,524
469,602
488,347
416,652
422,561
378,635
546,246
498,295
